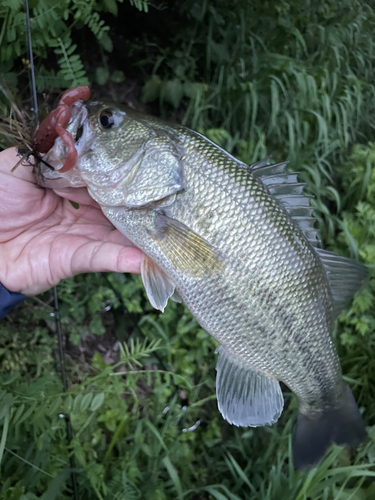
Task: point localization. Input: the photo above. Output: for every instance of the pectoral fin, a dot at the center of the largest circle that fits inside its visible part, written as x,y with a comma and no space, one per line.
159,287
245,397
185,249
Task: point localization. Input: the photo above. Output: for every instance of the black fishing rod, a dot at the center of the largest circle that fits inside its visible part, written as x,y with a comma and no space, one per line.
60,339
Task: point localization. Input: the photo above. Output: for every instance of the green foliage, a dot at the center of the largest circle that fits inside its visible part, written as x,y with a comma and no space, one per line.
290,79
133,434
71,66
140,4
53,24
356,235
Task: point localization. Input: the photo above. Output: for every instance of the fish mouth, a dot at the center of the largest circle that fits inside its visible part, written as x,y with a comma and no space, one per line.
48,174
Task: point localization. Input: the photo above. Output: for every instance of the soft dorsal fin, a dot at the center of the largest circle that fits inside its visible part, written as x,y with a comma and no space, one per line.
286,188
345,277
245,397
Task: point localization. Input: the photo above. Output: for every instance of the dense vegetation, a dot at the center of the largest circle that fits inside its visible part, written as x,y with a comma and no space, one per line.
294,80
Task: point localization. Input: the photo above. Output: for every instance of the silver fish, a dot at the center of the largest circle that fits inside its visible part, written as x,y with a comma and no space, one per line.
237,245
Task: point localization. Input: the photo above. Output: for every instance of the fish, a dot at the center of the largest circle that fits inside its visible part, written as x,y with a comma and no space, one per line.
237,244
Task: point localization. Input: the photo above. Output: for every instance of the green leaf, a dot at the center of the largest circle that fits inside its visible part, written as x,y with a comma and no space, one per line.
111,6
97,401
55,406
6,404
18,413
172,92
57,485
4,434
9,379
13,4
74,204
85,403
106,42
68,404
151,89
77,403
27,413
193,89
173,475
118,77
101,75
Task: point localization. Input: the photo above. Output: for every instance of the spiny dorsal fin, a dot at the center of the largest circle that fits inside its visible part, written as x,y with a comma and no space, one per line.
286,188
260,164
264,168
345,277
294,188
245,397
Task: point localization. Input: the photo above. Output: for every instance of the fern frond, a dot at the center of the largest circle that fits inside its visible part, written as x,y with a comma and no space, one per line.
141,5
124,489
71,66
137,350
96,25
177,379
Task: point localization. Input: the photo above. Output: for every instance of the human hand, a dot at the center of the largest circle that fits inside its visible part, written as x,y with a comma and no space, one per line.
44,239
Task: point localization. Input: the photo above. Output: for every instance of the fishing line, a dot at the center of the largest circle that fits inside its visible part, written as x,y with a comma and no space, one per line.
68,425
66,416
31,61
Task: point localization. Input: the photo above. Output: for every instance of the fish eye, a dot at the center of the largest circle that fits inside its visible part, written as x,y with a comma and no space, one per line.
106,119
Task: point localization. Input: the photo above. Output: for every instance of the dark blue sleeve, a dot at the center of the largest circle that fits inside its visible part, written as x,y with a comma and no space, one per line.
8,300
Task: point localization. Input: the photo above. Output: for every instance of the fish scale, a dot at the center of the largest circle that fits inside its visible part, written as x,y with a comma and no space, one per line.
235,244
228,328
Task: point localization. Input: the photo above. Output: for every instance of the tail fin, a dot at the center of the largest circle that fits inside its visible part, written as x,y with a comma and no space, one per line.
314,434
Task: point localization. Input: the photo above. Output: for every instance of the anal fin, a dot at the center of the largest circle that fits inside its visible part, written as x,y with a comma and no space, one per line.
245,397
